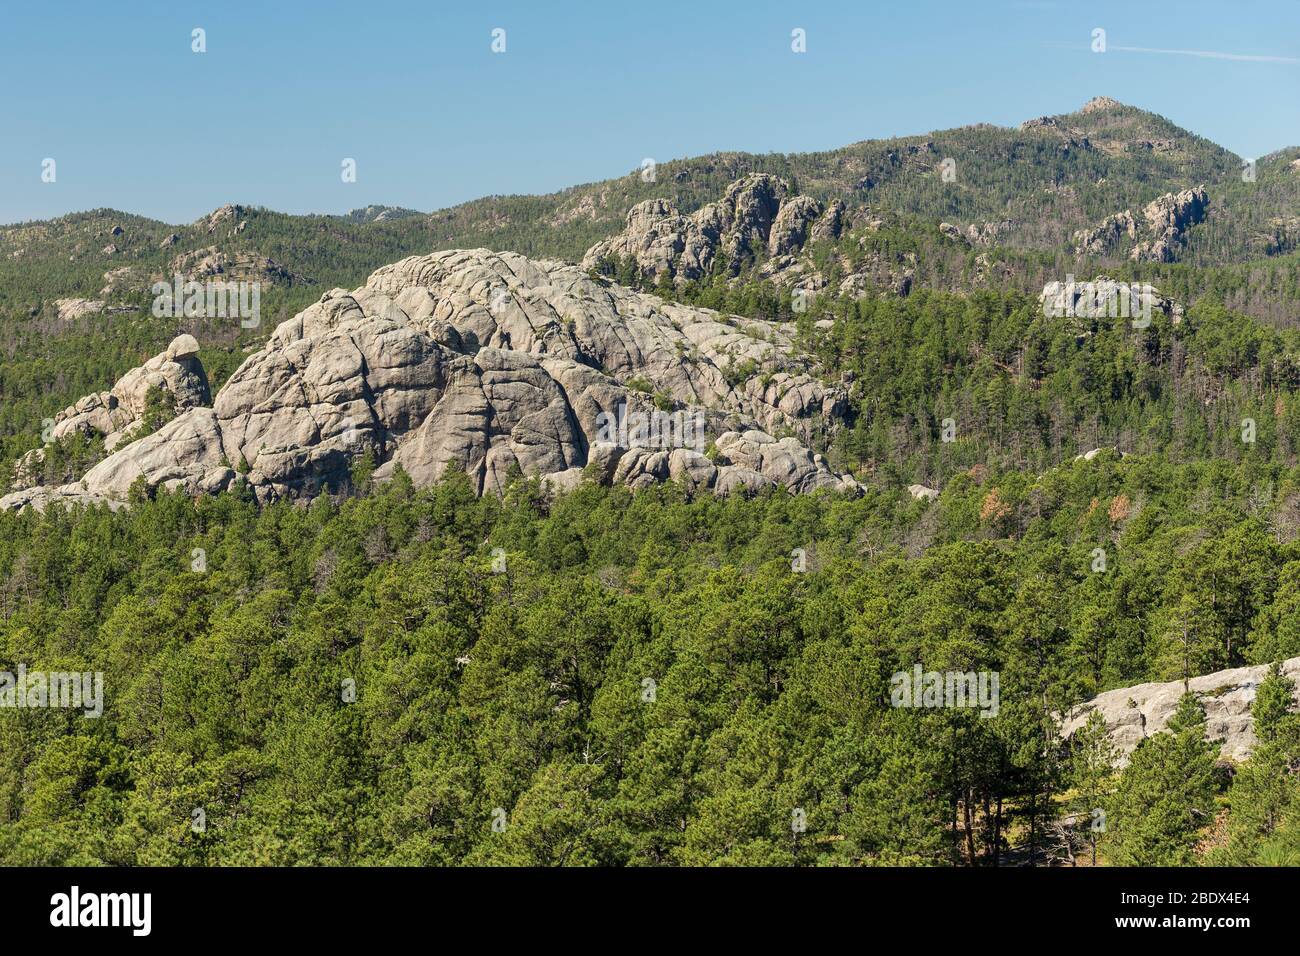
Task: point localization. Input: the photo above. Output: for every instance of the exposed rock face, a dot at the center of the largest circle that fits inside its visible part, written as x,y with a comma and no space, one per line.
659,238
1100,104
488,363
231,266
1111,230
1133,713
755,215
756,221
1104,297
40,497
754,459
745,216
116,412
224,214
27,469
71,309
380,214
987,233
830,225
116,280
791,227
984,234
1168,218
921,492
1040,122
1162,228
655,237
1153,145
1092,453
184,453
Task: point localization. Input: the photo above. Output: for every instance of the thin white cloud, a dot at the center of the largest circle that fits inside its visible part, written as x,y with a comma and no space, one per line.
1210,54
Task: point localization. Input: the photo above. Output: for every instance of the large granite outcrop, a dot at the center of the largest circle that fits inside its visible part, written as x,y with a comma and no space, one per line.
1104,297
491,362
1168,218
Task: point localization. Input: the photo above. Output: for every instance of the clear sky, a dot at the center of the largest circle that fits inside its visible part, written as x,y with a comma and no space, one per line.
413,92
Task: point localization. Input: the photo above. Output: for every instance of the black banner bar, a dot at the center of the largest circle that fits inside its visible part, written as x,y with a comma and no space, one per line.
338,905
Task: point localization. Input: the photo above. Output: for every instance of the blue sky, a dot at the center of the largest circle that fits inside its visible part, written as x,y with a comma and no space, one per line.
412,91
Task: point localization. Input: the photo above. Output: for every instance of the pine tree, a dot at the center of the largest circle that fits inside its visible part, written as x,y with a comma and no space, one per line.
1265,796
1166,794
1274,700
1092,768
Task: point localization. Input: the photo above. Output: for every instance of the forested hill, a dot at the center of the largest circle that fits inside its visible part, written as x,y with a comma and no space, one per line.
392,674
75,291
433,678
1038,184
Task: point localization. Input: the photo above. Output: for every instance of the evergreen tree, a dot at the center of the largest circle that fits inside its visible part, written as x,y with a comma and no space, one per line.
1165,796
1093,759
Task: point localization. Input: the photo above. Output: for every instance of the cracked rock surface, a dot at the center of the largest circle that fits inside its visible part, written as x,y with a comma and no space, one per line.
489,363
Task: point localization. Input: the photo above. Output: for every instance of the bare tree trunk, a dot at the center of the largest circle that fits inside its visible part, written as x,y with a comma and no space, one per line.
970,832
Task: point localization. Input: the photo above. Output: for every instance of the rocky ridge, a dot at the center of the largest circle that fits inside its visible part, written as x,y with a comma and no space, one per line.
758,220
1160,231
755,216
117,414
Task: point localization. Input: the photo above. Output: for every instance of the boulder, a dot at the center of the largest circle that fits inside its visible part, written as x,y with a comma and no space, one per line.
112,414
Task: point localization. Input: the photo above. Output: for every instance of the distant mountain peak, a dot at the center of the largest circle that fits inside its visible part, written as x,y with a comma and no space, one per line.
1100,104
220,215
